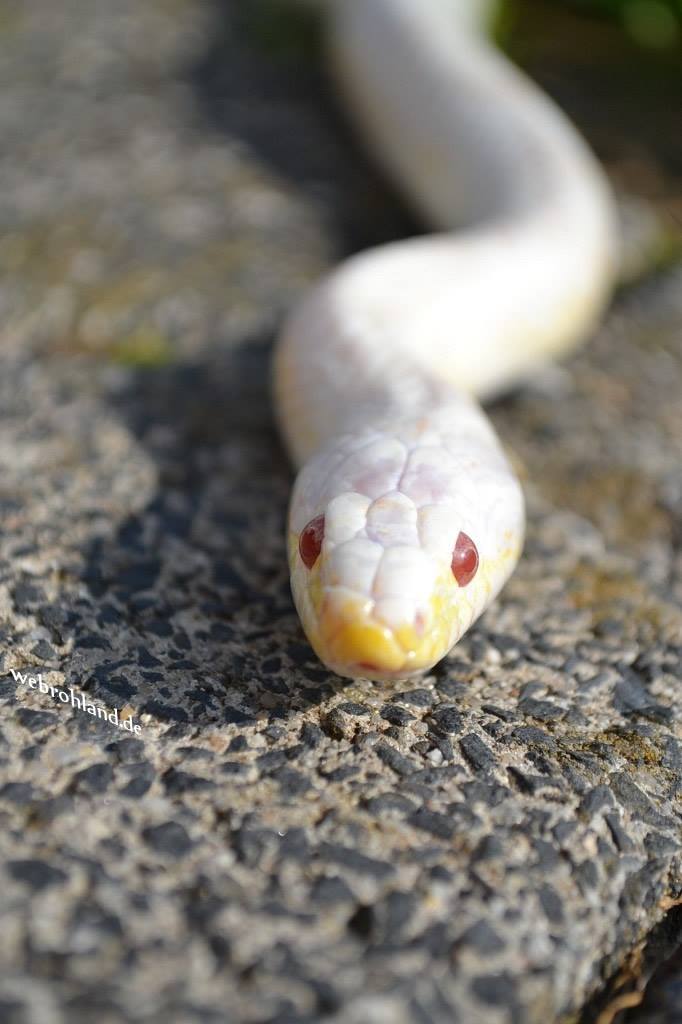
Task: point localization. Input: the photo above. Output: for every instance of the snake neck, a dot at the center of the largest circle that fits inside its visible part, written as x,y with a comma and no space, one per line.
524,261
468,138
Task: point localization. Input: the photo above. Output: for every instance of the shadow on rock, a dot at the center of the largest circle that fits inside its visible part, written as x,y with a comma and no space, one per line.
191,619
263,82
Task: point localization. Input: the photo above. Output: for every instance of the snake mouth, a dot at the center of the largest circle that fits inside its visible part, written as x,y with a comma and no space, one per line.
354,642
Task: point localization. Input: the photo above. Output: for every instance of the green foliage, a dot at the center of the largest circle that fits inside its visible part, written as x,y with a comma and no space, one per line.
145,347
286,29
656,24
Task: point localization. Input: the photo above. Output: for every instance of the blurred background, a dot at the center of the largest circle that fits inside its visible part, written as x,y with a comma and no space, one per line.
654,24
151,155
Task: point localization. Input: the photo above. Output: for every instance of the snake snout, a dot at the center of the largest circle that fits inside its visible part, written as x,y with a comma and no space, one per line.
365,638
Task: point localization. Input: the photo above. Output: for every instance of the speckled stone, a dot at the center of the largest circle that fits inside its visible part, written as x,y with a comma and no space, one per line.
274,844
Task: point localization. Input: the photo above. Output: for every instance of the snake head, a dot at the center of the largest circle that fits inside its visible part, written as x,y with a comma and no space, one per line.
395,550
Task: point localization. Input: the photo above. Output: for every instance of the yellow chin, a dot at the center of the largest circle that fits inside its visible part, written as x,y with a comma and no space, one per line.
353,643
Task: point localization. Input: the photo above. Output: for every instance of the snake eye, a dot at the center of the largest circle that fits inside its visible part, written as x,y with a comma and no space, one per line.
310,541
464,560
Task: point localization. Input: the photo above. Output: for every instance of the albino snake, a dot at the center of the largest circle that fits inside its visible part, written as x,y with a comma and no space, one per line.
406,518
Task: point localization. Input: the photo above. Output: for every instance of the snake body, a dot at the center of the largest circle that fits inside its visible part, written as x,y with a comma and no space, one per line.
406,518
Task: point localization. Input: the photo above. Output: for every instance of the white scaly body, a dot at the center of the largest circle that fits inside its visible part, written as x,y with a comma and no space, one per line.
377,368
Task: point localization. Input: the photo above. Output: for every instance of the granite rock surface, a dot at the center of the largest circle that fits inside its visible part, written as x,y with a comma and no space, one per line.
273,844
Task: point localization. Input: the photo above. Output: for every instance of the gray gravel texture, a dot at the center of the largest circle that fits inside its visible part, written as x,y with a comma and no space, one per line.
275,845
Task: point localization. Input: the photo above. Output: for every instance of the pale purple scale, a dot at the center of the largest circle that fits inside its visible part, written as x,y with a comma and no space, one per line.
429,475
392,519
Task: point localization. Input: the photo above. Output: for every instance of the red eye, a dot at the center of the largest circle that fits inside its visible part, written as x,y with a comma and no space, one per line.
310,541
464,560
